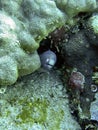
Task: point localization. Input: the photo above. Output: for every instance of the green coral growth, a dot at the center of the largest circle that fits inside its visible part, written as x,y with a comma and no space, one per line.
34,112
56,117
95,77
37,112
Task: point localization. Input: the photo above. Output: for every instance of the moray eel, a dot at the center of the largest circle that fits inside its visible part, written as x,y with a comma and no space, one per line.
48,59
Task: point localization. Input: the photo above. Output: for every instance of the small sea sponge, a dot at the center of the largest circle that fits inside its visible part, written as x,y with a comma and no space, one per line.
77,80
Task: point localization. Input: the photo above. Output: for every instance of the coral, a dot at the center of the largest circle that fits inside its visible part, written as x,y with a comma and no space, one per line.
37,102
73,7
95,77
28,113
43,17
92,29
23,24
93,22
20,34
14,61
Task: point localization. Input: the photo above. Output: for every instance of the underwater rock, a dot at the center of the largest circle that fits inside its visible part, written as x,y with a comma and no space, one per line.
75,49
20,34
73,7
24,23
94,108
95,77
78,53
92,29
36,102
42,16
14,61
8,70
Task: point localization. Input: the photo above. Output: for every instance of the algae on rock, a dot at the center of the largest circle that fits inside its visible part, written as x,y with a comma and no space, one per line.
38,101
23,24
14,61
20,34
73,7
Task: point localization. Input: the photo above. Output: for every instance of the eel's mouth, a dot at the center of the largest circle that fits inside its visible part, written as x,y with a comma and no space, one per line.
49,66
50,63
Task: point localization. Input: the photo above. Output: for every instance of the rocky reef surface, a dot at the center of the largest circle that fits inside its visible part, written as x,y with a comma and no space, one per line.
23,24
38,101
94,108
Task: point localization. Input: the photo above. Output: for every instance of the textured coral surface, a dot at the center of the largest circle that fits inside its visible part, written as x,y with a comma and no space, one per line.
39,101
36,104
23,24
